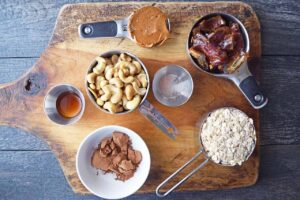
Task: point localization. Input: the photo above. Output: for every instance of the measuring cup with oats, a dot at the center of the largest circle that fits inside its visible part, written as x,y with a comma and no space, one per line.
228,138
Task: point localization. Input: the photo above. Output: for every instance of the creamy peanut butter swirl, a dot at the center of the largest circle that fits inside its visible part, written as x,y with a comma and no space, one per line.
148,27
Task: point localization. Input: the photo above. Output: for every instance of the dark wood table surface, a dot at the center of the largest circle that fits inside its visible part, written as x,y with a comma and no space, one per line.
28,169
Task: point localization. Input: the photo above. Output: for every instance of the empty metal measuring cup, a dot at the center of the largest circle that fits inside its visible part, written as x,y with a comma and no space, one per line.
172,85
199,153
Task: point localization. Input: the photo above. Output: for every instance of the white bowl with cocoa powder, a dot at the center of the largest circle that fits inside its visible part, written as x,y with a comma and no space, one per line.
103,184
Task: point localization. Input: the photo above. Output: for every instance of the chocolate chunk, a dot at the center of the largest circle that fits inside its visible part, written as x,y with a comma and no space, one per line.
116,155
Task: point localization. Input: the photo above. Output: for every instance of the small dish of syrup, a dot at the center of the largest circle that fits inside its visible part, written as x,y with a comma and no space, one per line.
68,104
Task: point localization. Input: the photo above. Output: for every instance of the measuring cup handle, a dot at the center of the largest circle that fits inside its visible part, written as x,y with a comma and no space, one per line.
249,87
159,194
151,113
116,28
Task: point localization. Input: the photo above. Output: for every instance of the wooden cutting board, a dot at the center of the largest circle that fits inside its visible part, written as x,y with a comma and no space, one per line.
66,60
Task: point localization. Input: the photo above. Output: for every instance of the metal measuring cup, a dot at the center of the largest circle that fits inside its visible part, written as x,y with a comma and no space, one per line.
242,77
50,104
202,164
172,85
145,107
114,28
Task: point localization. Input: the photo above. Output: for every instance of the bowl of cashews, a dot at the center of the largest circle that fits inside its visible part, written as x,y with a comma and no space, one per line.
117,82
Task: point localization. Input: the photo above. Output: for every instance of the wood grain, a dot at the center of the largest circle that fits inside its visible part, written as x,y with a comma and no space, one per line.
32,22
66,59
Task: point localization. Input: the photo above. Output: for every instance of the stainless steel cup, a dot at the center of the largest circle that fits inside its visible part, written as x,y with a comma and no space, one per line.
145,107
172,85
198,154
50,104
242,77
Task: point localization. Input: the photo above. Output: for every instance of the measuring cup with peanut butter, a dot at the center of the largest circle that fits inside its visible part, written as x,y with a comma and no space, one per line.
147,26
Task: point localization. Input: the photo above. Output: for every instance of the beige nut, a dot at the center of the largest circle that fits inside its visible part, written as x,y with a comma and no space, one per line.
91,77
109,73
132,69
100,59
134,102
93,93
125,57
140,91
103,83
100,102
117,94
137,65
125,79
117,82
107,93
143,80
107,68
92,86
139,84
100,92
114,59
99,68
112,108
129,92
98,81
108,61
124,101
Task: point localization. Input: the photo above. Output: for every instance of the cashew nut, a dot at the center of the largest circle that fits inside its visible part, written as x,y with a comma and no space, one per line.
100,59
129,92
107,93
109,74
91,77
140,91
99,68
132,69
112,108
117,94
125,57
137,65
93,93
92,86
99,102
113,93
114,59
124,102
98,81
103,83
117,82
133,103
108,61
143,80
128,79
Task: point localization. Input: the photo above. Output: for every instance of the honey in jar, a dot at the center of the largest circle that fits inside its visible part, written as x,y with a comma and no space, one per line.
68,104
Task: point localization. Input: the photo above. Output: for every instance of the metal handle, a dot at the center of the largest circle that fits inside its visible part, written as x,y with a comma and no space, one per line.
116,28
249,87
159,194
158,119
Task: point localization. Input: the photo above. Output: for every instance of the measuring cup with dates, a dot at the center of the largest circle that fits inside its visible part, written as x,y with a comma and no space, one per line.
219,45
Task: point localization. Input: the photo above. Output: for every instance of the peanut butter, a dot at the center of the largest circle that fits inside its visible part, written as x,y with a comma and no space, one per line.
148,27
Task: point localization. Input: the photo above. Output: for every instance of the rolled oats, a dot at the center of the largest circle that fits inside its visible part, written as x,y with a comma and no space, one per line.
228,136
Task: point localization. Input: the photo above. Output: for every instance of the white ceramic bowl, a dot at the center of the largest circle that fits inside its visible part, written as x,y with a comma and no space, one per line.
105,185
